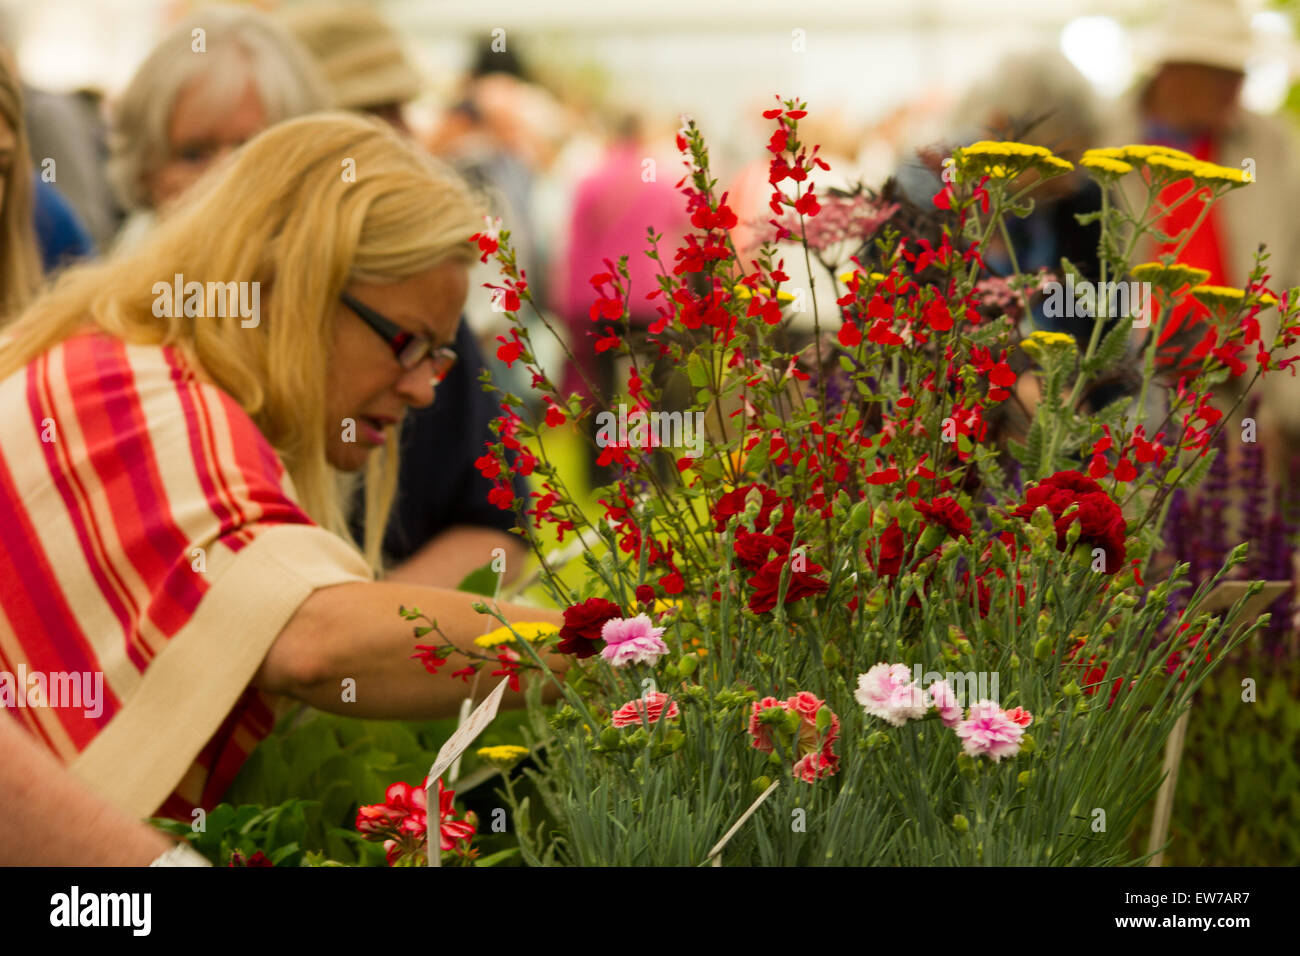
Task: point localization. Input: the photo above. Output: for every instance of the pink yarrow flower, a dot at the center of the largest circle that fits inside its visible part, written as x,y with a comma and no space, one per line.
649,708
632,640
941,697
989,731
887,691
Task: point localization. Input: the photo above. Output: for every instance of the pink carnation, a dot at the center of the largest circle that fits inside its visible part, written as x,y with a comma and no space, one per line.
814,753
762,733
941,697
990,731
888,692
648,708
632,640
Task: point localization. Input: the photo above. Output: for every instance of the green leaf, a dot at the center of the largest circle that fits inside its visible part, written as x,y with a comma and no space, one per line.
1111,350
696,372
480,581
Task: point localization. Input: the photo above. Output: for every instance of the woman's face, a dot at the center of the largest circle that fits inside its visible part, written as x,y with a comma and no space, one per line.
368,391
198,134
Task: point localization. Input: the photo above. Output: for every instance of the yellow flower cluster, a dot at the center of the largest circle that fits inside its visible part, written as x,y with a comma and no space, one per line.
1163,161
1227,297
503,755
1036,344
742,291
1008,160
1170,277
531,631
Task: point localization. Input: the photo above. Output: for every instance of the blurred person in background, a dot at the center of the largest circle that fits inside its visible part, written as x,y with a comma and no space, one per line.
20,264
630,190
186,108
1191,101
442,527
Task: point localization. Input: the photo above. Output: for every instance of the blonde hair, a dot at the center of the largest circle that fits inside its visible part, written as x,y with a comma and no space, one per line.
304,209
239,45
20,265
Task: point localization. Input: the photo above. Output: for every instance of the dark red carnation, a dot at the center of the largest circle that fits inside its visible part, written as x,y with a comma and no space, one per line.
946,512
1101,523
767,582
582,624
887,556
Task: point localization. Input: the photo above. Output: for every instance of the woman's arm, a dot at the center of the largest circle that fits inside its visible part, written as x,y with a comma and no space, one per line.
456,551
354,631
50,818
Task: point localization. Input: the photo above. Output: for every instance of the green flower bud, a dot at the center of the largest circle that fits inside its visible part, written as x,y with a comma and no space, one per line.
1014,661
966,765
1072,689
877,740
860,516
823,720
960,823
831,656
1023,778
1043,648
1044,622
611,739
792,721
687,665
1027,744
762,783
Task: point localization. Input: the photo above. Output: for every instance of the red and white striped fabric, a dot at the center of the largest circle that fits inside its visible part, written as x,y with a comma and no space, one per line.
149,532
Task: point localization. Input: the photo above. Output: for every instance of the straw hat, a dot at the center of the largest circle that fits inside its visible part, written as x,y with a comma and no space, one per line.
1205,32
360,55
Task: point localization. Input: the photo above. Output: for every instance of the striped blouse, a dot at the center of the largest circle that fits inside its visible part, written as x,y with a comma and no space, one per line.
150,545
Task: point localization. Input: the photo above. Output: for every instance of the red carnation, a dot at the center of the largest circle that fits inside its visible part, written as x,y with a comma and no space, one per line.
582,624
767,582
1101,523
946,512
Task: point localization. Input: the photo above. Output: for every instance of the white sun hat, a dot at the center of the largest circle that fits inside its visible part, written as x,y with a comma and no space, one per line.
1206,32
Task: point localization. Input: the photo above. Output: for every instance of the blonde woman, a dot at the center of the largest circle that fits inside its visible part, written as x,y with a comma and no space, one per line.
20,265
170,516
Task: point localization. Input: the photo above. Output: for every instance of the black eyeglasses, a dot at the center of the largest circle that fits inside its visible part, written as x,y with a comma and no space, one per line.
410,349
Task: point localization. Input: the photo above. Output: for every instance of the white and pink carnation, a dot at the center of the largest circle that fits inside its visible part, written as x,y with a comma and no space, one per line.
940,696
989,731
887,691
632,640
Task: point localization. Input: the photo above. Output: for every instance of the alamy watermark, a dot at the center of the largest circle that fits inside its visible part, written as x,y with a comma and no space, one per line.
60,689
1087,299
642,429
208,300
967,687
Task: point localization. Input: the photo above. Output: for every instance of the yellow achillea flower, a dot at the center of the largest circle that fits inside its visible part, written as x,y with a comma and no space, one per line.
1143,152
742,291
844,277
1105,164
1040,342
1225,174
1169,277
1228,297
1008,160
503,755
531,631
